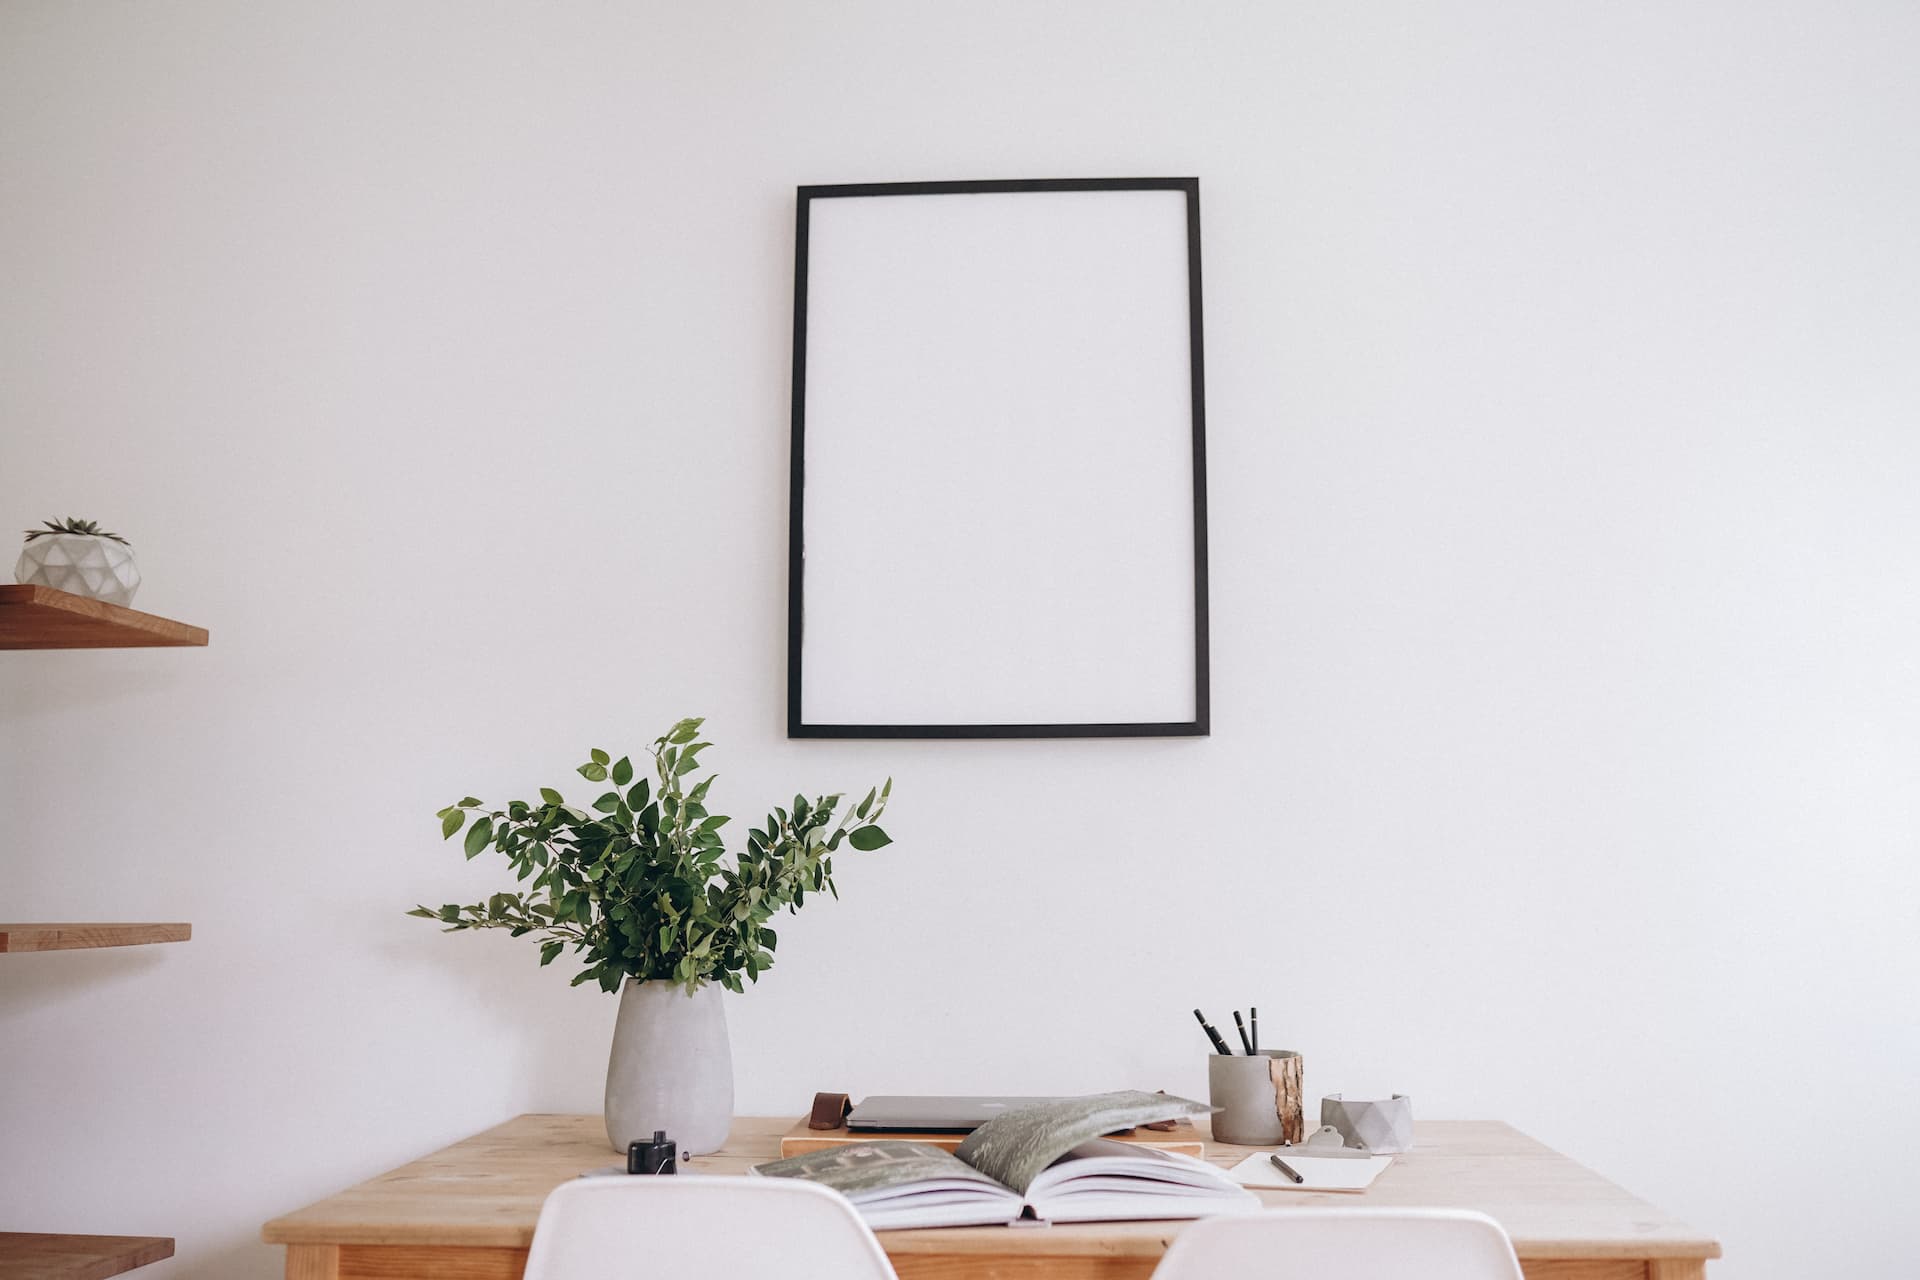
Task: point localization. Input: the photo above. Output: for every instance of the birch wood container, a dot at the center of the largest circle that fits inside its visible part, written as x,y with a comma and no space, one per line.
1259,1097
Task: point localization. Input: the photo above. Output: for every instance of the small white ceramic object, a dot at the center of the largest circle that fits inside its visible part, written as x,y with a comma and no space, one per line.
671,1068
1383,1126
81,563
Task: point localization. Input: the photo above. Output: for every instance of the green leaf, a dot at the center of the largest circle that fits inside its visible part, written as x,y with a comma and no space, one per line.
643,887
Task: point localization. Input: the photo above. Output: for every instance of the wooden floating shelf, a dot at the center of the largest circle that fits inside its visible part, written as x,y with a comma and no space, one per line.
36,617
76,937
26,1255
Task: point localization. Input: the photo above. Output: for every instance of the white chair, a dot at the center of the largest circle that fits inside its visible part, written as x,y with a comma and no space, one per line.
1343,1244
622,1228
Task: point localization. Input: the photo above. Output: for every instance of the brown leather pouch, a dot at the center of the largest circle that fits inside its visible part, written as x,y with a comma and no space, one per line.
829,1111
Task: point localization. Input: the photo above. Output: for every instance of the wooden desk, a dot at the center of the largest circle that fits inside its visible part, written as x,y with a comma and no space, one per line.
467,1213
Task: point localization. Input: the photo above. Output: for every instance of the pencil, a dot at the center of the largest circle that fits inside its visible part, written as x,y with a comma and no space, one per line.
1219,1045
1241,1027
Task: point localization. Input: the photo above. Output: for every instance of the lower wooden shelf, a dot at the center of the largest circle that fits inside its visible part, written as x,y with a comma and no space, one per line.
26,1255
75,937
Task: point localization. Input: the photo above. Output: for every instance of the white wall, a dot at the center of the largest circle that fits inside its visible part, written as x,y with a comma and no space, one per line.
1563,399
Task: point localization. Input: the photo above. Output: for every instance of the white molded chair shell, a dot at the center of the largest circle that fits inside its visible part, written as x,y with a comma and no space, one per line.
622,1228
1343,1244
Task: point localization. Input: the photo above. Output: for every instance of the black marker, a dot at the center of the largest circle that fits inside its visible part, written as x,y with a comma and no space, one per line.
1253,1016
1241,1027
1286,1168
1219,1045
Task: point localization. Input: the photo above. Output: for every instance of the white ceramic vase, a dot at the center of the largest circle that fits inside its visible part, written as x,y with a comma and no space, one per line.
671,1068
80,563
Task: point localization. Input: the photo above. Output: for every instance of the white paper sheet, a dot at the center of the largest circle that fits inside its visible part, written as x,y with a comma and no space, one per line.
1321,1173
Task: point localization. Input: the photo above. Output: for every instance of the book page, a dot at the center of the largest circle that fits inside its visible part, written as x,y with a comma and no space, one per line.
868,1170
1015,1147
1118,1163
1113,1181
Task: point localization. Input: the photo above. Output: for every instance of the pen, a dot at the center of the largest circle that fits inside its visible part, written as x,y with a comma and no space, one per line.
1253,1017
1241,1027
1286,1168
1219,1045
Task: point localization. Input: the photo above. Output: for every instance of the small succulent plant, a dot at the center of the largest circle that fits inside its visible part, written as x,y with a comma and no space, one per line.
72,525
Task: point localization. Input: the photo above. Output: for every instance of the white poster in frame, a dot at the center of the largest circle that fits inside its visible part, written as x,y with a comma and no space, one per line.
998,506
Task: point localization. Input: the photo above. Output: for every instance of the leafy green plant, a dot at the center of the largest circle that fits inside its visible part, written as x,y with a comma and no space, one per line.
646,889
72,525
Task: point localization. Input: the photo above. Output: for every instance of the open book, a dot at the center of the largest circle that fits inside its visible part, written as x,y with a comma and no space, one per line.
1046,1162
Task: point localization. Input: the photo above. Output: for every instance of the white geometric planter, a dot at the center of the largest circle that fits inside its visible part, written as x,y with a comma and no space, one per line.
1383,1126
80,563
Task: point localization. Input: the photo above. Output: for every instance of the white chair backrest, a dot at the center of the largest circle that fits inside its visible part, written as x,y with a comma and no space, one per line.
621,1228
1343,1244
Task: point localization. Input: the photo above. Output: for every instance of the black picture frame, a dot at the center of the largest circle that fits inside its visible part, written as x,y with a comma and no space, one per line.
797,726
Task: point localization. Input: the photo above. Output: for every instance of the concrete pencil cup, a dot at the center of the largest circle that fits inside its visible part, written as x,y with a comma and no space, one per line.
1259,1097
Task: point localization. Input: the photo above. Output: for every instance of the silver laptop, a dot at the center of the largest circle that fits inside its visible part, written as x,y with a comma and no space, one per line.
913,1114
